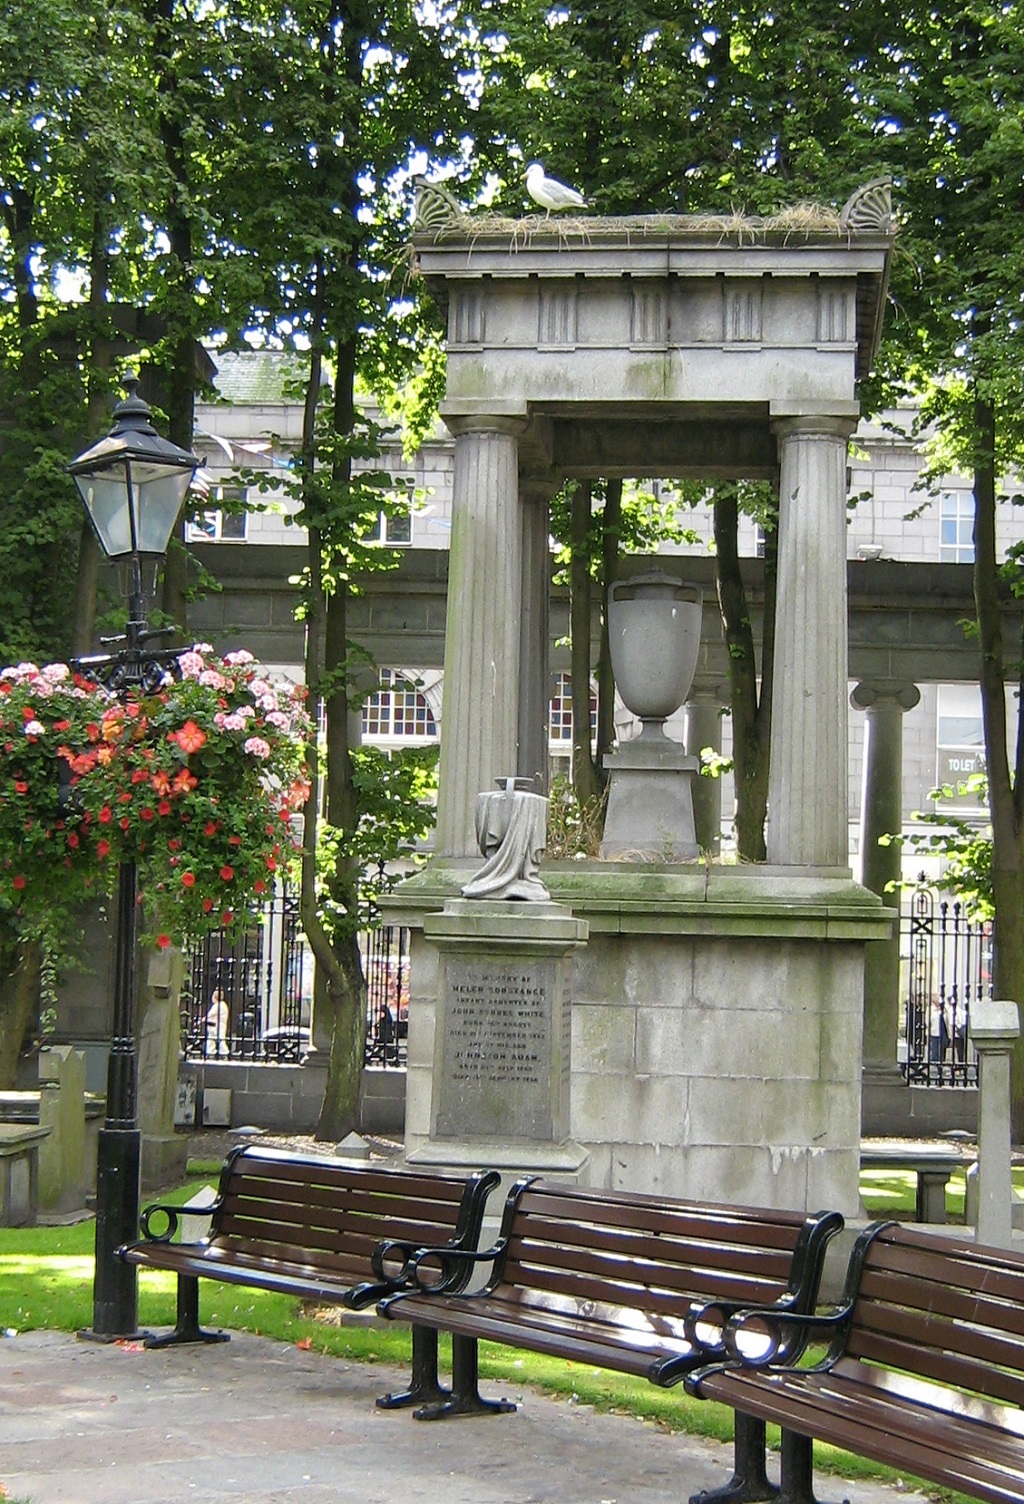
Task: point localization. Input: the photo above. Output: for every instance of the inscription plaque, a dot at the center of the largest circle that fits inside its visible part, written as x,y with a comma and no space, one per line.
504,1055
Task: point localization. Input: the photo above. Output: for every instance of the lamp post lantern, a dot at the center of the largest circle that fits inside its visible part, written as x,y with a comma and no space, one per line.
133,484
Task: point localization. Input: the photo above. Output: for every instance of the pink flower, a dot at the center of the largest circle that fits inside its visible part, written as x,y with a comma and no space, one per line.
257,747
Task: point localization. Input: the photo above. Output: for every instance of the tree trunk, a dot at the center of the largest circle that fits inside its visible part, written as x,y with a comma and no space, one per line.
585,780
1004,784
19,993
610,531
751,713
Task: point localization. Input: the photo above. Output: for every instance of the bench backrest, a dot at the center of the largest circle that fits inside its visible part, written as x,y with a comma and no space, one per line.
568,1246
327,1216
941,1309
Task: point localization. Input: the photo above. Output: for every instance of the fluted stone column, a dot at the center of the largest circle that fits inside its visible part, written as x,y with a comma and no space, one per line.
702,727
884,702
534,692
807,787
482,626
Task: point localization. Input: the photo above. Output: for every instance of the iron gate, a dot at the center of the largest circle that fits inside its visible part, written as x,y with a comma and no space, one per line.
251,998
947,963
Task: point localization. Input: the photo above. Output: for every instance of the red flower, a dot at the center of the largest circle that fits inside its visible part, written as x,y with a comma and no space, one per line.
164,807
190,738
207,905
61,725
20,787
124,822
147,814
183,782
18,882
259,886
188,879
227,916
105,815
102,848
163,941
234,840
72,840
227,873
210,828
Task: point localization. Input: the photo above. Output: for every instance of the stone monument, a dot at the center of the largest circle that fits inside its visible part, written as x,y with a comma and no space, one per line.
501,1066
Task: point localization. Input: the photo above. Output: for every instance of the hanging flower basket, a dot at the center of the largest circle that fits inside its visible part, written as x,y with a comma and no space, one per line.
195,782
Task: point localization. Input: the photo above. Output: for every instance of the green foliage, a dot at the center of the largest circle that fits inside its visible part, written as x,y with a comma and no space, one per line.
964,846
648,519
396,794
574,827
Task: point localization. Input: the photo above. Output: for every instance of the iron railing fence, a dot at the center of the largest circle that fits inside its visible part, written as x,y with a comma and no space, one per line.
386,968
250,998
946,961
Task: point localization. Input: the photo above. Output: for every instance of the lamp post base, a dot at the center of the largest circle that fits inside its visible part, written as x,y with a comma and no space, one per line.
115,1284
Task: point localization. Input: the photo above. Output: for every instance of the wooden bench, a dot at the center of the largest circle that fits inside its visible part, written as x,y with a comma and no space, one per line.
925,1371
307,1226
638,1284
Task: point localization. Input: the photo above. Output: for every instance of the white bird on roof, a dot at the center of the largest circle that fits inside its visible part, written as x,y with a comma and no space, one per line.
549,192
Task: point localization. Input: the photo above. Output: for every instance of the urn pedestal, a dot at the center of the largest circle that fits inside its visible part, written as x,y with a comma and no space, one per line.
654,623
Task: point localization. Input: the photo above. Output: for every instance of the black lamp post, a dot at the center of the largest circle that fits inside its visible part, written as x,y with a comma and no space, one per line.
133,484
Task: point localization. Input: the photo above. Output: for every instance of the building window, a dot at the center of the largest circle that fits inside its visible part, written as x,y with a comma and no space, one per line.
560,713
393,531
397,712
956,527
216,523
960,734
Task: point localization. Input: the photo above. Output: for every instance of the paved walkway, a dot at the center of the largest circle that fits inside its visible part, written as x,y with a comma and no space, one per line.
261,1422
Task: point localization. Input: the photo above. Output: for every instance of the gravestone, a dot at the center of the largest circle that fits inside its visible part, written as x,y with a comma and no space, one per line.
164,1152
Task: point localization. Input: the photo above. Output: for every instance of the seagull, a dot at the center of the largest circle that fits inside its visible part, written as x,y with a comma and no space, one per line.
549,192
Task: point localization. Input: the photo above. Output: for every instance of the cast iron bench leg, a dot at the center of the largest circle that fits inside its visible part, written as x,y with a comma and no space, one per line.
797,1469
465,1398
425,1387
187,1328
750,1482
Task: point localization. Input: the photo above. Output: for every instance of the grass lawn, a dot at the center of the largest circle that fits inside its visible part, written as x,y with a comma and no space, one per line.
46,1282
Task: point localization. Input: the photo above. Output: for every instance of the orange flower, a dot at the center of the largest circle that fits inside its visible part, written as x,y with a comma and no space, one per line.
190,738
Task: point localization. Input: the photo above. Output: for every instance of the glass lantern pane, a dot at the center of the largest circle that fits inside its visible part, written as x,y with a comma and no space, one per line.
106,501
159,497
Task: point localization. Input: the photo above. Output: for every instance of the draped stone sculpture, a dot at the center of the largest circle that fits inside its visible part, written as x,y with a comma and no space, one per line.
511,831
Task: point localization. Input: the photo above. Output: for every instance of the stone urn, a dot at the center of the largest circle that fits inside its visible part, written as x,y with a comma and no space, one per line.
654,623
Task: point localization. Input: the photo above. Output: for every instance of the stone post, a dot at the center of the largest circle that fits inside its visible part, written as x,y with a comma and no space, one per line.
703,714
63,1173
994,1028
884,703
482,626
807,790
163,1151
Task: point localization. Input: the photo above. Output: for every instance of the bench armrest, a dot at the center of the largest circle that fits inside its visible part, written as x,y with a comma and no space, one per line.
430,1271
775,1338
173,1215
